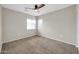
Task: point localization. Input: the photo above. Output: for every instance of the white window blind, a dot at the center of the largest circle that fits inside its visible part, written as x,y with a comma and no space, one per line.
31,23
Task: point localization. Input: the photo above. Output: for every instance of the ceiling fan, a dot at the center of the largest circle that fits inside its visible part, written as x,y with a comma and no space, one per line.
36,7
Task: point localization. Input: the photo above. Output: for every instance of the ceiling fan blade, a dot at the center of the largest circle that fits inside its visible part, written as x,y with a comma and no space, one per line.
42,5
36,7
29,8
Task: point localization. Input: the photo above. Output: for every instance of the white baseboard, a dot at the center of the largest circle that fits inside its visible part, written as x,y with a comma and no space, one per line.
59,40
17,39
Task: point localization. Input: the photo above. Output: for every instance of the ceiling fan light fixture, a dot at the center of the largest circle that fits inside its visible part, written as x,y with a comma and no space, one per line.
36,10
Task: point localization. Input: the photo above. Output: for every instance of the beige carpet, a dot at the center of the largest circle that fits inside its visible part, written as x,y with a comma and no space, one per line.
38,45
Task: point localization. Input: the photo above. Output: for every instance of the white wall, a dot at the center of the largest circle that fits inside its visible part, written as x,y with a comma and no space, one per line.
59,25
78,26
0,26
15,26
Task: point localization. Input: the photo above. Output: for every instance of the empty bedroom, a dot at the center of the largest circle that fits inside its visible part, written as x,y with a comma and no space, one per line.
39,28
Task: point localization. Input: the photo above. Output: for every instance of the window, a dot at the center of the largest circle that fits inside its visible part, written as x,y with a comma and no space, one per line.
31,24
